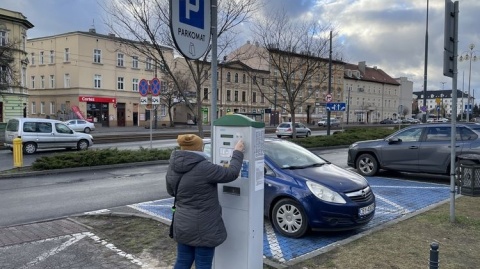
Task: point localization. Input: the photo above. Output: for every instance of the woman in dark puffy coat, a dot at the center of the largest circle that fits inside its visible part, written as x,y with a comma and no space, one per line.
198,226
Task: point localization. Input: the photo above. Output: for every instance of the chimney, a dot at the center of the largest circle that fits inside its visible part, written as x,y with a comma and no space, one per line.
361,66
111,35
92,30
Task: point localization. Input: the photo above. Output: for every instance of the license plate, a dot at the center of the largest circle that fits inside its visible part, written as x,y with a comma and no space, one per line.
366,210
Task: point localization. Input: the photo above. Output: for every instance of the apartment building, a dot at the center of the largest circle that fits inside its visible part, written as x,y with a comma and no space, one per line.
90,75
440,102
371,94
13,64
311,104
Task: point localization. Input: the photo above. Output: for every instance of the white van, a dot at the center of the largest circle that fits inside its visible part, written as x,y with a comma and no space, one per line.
44,133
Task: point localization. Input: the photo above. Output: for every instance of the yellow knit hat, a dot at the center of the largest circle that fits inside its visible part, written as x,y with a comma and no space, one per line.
190,142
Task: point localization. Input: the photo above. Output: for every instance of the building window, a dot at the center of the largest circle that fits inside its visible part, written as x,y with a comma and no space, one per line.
135,84
244,96
244,78
163,110
52,81
148,63
205,74
263,81
42,108
120,83
41,58
97,81
52,108
97,56
120,59
42,82
236,96
66,80
228,77
236,77
52,56
32,58
254,79
3,74
205,93
135,62
262,98
34,108
229,96
3,38
66,55
32,79
254,97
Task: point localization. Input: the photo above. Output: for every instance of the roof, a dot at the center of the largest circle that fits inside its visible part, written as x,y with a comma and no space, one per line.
372,74
438,94
15,17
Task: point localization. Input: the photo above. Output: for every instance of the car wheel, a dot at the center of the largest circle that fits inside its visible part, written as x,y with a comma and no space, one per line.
86,130
279,136
367,165
289,218
29,148
308,134
82,144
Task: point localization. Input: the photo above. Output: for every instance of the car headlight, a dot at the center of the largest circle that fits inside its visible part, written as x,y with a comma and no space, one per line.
325,194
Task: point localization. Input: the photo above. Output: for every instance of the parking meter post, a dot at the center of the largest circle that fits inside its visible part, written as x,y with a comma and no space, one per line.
240,199
17,152
434,255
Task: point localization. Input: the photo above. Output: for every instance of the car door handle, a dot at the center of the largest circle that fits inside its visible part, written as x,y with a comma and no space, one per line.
455,146
413,147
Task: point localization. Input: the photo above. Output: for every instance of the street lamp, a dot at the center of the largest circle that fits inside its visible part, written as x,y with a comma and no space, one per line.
468,56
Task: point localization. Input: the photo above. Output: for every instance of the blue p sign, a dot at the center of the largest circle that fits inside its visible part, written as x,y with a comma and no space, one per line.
191,13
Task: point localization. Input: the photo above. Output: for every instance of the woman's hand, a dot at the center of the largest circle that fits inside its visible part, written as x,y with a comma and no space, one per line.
240,146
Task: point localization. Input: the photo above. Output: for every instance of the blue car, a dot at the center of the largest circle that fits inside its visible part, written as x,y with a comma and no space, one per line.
305,192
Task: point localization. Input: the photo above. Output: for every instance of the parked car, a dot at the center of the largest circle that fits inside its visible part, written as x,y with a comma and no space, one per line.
285,129
333,122
305,192
420,149
410,121
80,125
387,121
44,133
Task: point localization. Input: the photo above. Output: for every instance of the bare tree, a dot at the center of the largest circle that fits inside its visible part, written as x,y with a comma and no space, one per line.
9,71
147,21
405,111
294,52
171,96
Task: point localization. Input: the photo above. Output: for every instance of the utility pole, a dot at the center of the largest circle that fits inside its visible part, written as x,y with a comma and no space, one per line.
425,72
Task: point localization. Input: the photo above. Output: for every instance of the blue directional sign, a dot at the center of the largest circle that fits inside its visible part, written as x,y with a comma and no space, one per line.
336,106
468,108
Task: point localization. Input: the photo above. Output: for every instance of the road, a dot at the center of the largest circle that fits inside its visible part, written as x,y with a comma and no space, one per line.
35,198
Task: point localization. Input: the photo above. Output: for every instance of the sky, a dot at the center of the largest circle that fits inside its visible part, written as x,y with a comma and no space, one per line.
388,34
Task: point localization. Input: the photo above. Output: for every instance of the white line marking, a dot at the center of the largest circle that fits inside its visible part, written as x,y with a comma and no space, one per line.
112,247
400,208
75,238
273,243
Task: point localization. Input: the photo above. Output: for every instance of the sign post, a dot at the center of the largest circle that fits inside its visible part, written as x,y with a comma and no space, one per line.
154,87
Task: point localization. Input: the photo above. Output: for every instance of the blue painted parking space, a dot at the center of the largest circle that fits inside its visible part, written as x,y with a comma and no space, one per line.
394,199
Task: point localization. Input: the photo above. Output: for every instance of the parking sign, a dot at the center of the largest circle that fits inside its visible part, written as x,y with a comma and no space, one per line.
190,26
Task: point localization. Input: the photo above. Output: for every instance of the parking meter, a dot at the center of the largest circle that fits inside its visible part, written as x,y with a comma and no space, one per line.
242,199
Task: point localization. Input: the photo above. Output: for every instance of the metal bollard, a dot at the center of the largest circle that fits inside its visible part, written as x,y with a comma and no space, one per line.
434,255
17,152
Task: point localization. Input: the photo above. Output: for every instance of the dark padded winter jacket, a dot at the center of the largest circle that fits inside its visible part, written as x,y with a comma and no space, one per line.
198,216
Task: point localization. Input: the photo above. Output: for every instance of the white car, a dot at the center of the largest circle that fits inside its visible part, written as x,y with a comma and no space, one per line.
80,125
333,122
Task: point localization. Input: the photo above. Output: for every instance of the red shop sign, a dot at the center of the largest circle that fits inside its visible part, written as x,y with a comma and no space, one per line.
97,99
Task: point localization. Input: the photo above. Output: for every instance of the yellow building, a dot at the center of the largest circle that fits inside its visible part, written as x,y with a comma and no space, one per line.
13,64
90,75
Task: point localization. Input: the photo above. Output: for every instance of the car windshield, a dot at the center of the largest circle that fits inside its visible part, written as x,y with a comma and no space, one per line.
291,156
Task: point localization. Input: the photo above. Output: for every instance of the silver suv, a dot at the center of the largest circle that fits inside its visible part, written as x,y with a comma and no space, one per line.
44,133
419,149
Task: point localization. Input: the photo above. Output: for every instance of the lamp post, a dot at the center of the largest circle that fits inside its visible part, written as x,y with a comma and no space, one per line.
468,56
348,103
